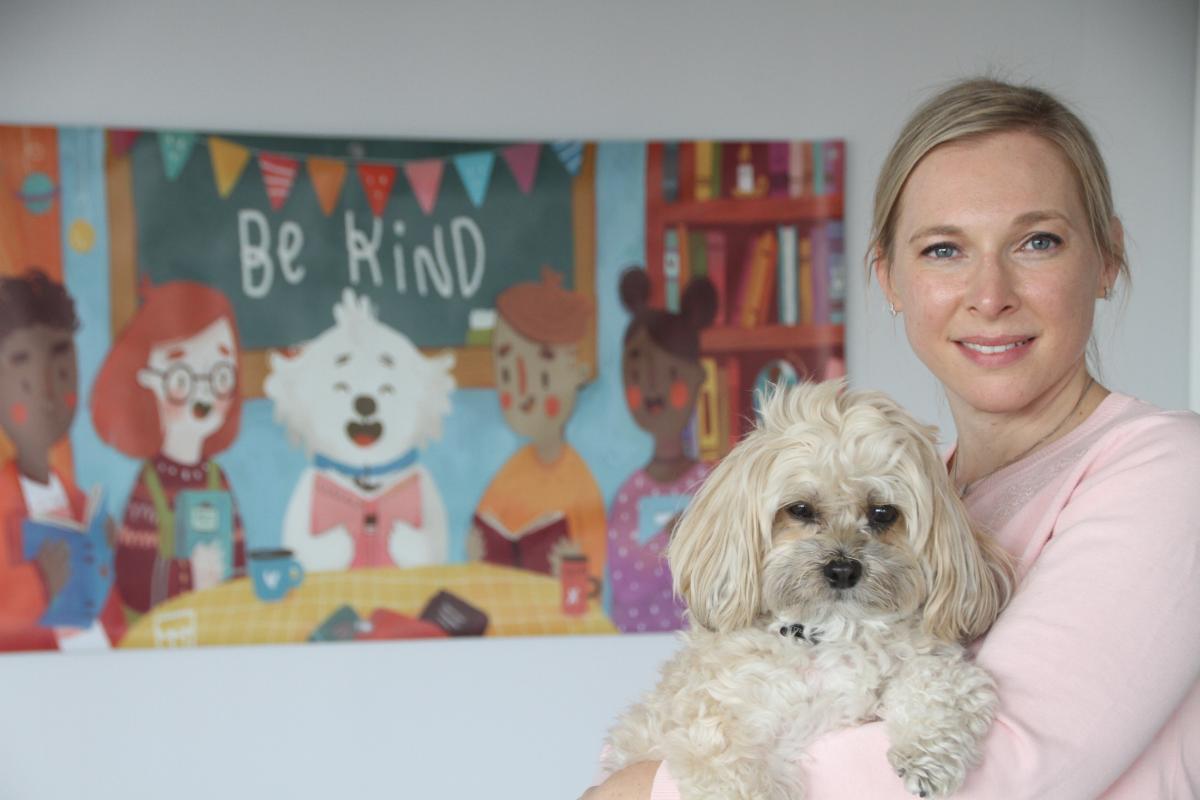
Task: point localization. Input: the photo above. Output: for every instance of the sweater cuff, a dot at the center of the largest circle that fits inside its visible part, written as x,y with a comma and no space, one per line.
664,787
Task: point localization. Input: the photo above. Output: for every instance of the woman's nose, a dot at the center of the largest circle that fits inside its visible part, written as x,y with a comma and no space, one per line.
992,291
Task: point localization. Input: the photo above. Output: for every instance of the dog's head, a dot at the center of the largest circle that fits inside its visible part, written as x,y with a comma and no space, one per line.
837,506
360,392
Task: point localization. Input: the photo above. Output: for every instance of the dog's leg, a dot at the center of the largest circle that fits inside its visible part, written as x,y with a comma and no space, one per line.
938,708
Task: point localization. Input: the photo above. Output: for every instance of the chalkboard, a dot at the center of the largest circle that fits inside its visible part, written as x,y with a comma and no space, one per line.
284,269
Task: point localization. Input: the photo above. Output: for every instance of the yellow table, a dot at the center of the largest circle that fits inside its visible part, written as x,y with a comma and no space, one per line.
517,603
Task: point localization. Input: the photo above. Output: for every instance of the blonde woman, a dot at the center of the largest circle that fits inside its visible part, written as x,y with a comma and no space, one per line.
993,238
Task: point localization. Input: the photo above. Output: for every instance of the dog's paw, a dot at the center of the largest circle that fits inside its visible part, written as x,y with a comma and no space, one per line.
926,773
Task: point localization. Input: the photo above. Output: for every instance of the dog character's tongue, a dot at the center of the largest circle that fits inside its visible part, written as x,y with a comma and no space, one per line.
200,410
364,434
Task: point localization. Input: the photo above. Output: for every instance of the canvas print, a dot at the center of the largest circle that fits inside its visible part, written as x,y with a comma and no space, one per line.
276,389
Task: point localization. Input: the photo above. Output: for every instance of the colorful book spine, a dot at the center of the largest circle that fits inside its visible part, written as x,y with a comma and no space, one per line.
818,168
805,279
788,298
837,272
717,273
835,166
687,171
685,260
708,411
758,280
795,169
691,436
731,383
704,170
820,274
698,253
718,184
671,269
777,169
670,172
806,153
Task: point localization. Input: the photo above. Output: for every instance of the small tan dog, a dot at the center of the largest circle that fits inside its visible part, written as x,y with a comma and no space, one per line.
831,577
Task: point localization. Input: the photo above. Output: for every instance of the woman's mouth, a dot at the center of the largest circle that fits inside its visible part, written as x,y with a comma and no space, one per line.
654,404
527,405
995,352
200,410
364,434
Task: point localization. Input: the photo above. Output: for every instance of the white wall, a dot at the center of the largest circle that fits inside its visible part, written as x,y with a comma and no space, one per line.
510,718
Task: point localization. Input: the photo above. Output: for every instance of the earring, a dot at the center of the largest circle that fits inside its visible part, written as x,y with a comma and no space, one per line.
1108,292
892,308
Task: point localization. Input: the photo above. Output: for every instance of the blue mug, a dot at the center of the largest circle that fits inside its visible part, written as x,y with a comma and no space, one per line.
275,573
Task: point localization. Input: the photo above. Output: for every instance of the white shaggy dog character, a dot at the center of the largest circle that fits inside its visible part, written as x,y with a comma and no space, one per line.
362,401
831,577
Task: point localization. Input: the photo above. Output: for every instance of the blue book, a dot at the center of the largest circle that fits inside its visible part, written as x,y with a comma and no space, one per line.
82,598
205,517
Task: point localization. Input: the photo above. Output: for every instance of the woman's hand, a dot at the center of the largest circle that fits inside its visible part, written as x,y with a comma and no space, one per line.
631,783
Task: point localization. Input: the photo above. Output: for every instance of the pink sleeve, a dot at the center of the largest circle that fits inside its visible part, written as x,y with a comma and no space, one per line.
1093,655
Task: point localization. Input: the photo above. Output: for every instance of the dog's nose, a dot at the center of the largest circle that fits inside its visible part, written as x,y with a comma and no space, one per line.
842,573
364,405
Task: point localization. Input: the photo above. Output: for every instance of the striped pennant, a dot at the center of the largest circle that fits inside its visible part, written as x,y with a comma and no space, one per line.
279,175
570,153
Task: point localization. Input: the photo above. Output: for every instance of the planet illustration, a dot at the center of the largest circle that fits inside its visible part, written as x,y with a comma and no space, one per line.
38,192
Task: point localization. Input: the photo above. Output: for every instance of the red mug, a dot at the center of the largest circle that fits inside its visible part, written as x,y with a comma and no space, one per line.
577,586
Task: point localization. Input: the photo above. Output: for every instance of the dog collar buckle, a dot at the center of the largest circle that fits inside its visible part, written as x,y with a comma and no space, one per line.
796,631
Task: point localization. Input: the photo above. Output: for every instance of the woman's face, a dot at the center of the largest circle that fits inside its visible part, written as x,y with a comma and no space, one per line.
995,270
194,380
660,388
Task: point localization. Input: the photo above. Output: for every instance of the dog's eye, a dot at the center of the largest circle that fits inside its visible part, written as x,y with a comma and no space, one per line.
882,516
341,386
802,511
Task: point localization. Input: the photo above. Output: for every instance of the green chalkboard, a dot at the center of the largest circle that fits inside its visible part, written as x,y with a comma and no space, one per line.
284,269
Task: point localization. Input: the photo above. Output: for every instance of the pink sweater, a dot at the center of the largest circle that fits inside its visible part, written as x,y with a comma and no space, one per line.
1097,657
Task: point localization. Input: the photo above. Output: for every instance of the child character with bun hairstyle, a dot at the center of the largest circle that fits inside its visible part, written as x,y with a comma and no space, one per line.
544,500
660,364
168,393
39,377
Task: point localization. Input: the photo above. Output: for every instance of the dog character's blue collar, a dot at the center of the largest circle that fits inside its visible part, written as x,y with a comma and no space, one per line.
403,462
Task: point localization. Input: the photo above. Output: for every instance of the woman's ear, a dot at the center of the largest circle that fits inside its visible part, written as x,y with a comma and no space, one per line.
883,274
1112,265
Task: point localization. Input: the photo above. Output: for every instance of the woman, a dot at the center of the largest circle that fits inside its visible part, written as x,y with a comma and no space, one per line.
167,393
994,235
660,362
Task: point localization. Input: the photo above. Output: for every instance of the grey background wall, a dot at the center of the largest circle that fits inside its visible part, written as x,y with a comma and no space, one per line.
524,718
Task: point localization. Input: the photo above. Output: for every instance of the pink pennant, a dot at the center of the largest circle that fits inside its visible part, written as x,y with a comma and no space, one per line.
522,160
121,141
425,177
278,174
377,181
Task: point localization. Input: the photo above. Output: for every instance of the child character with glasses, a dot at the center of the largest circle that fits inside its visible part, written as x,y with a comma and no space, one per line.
39,376
168,393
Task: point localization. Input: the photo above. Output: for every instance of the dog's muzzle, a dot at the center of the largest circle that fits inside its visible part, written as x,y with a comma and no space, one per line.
842,573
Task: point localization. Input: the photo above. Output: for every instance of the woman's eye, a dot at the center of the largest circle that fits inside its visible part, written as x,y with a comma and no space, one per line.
940,250
882,516
802,511
1043,241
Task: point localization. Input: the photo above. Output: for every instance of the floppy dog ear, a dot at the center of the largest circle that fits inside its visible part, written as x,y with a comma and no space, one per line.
970,576
717,547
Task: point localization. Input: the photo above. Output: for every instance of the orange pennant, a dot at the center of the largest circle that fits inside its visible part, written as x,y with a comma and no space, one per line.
327,175
377,181
228,161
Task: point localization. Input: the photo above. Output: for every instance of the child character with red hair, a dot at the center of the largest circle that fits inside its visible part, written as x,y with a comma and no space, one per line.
168,393
39,376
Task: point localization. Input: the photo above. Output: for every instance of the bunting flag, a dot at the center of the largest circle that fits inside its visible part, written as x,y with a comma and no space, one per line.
377,181
425,178
228,161
278,174
121,142
570,153
176,147
522,160
475,172
327,176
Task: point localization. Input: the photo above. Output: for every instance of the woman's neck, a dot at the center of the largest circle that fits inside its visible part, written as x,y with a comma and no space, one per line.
182,447
669,460
988,442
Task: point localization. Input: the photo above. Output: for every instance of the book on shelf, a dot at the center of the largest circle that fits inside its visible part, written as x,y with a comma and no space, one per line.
795,168
837,272
686,171
671,269
691,436
720,187
786,265
819,235
527,548
835,166
81,599
715,256
777,169
804,270
818,168
697,248
670,172
708,411
758,280
704,170
685,263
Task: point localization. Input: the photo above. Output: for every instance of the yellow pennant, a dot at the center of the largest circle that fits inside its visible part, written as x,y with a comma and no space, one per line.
228,160
327,175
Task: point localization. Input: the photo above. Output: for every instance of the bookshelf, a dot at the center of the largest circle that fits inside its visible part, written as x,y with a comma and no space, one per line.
763,221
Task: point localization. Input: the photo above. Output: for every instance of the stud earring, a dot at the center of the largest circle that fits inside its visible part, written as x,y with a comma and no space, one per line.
892,308
1108,292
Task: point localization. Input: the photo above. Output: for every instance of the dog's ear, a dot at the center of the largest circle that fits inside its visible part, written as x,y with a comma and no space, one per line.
438,386
718,545
970,576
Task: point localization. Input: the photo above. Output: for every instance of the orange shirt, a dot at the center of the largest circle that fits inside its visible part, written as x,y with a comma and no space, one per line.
525,489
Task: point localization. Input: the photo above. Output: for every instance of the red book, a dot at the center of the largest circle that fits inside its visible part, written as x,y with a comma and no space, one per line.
835,166
386,624
777,169
528,548
687,171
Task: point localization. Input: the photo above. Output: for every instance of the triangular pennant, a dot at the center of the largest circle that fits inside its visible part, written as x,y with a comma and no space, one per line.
121,142
228,161
522,159
176,147
377,181
278,174
475,172
570,153
327,176
425,178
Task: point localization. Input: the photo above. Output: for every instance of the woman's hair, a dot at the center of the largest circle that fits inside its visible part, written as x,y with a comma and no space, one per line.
979,107
678,334
124,412
35,299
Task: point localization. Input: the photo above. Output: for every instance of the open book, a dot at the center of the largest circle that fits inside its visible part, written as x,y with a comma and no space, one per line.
82,598
529,548
205,517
